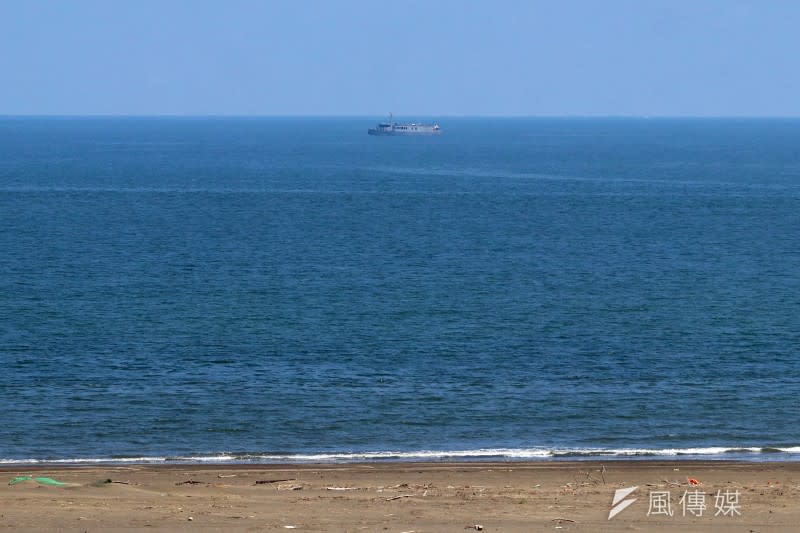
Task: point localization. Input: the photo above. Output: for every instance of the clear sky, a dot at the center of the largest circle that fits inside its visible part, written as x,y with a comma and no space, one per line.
416,58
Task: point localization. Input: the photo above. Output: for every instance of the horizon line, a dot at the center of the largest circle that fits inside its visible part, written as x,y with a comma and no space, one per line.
333,116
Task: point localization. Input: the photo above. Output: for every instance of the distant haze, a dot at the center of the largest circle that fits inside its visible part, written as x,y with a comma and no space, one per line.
417,59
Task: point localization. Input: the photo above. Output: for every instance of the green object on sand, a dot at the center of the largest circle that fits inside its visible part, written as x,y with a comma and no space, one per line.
49,481
41,480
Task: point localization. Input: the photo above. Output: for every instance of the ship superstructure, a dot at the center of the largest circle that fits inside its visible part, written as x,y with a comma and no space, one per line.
397,128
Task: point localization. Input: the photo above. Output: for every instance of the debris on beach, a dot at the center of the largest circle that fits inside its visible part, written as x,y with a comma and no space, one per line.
269,481
398,497
289,486
107,481
40,480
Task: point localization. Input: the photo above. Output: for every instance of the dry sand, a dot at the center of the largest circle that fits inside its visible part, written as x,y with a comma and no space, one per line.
399,497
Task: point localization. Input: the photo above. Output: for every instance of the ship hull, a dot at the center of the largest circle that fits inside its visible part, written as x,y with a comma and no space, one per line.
373,131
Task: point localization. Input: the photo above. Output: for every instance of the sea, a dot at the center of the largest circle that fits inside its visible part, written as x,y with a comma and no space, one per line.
266,290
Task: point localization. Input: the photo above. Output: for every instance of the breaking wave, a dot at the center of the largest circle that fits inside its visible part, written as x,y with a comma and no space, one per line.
483,454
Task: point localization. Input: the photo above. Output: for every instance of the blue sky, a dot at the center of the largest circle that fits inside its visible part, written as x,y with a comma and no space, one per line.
416,58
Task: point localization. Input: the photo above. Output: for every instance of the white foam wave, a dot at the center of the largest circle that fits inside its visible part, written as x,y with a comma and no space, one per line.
434,455
86,460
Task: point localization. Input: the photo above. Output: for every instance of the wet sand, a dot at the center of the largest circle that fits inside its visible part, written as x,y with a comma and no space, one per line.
404,497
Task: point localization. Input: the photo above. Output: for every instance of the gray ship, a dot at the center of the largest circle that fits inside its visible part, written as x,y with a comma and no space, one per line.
395,128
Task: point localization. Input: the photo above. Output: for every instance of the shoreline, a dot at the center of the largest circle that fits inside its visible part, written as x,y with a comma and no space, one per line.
479,455
592,462
556,463
180,462
511,496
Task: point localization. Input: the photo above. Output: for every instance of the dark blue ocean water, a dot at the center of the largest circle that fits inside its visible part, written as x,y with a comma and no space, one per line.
264,289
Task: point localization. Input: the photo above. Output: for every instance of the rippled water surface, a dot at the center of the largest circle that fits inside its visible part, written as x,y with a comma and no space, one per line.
269,289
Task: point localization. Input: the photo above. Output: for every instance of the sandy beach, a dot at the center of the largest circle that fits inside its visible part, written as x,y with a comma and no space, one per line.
406,497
